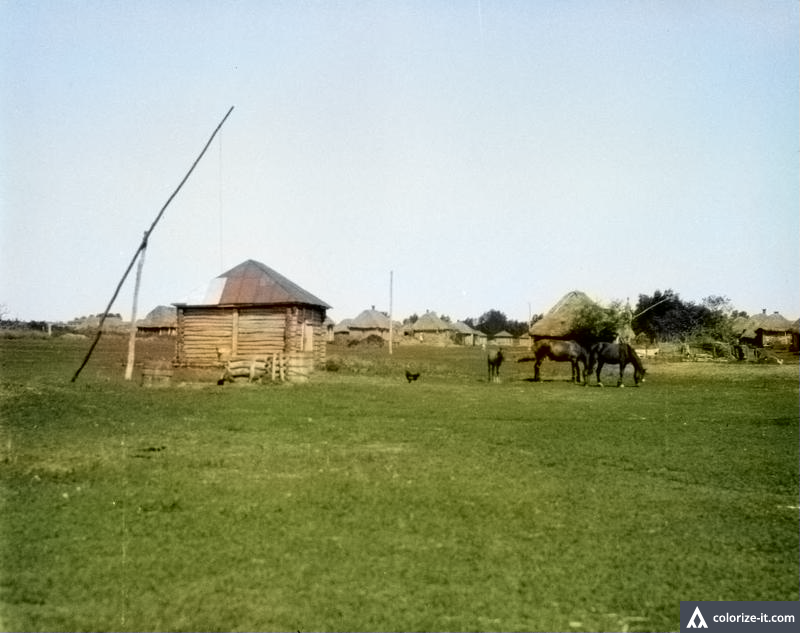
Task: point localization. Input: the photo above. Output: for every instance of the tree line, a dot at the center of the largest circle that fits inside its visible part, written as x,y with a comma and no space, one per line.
660,317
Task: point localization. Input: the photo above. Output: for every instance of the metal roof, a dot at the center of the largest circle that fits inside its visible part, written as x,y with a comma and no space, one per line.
252,283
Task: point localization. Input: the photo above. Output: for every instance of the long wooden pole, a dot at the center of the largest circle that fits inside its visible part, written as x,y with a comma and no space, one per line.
143,245
132,338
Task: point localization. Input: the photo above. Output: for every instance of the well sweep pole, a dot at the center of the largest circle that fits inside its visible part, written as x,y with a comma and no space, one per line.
142,246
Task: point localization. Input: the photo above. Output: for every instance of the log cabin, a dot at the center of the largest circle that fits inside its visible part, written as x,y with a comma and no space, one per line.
250,311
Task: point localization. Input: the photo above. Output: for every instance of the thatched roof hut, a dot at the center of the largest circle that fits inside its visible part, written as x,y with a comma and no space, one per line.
463,334
341,332
561,319
249,311
162,320
370,322
764,329
432,330
504,339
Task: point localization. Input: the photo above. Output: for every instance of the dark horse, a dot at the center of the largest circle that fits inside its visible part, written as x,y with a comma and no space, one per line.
559,351
495,359
620,354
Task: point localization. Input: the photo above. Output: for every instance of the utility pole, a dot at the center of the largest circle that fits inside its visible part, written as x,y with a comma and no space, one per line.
391,324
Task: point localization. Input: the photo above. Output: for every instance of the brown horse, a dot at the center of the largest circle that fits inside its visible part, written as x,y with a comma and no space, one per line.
620,354
494,360
559,351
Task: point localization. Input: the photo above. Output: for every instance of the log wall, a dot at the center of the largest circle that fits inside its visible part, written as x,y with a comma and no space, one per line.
208,336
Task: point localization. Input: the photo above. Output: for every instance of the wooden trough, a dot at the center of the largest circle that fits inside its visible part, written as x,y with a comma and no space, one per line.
156,375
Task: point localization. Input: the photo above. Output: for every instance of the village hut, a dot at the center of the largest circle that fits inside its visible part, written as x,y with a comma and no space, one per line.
463,334
250,311
431,330
328,324
503,339
764,330
370,323
160,321
561,320
341,332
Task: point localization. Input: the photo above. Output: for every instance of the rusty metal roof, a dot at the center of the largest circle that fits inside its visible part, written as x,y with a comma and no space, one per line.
252,283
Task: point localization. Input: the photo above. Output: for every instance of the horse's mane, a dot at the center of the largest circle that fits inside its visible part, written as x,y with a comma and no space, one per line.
635,360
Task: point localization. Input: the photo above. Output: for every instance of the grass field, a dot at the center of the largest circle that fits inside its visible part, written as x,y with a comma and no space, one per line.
360,502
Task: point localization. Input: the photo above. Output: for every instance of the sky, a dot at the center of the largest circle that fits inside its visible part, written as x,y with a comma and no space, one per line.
485,155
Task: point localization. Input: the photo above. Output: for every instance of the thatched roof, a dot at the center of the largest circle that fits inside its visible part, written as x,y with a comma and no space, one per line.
560,319
252,283
463,328
370,320
748,326
161,316
342,326
430,322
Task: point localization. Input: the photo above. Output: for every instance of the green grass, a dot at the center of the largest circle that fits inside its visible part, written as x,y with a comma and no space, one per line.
358,501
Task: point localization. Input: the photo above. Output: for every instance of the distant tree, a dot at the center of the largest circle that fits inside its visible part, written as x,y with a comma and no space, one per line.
494,321
517,328
595,323
665,317
662,316
717,318
491,322
411,319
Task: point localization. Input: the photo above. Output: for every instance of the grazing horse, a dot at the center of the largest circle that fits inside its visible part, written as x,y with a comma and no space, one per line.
620,354
495,359
560,351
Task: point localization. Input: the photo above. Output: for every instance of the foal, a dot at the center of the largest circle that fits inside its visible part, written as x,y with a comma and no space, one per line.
495,359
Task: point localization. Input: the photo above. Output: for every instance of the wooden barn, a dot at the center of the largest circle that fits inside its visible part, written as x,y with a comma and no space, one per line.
250,311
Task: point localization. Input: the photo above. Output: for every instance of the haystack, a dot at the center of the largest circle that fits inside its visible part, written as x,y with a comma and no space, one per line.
561,320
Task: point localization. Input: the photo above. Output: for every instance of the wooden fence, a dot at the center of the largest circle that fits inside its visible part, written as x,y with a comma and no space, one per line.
271,367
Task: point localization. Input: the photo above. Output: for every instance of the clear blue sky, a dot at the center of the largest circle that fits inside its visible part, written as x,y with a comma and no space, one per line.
494,155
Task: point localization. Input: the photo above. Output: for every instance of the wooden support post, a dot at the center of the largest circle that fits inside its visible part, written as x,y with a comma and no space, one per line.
132,338
235,333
